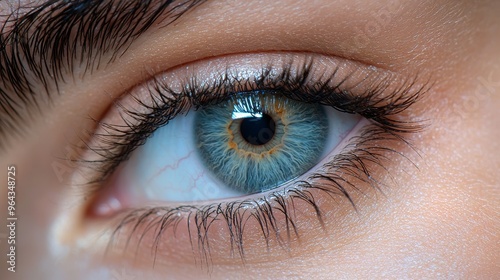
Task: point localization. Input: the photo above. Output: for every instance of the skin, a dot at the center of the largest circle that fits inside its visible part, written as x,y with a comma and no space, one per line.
439,220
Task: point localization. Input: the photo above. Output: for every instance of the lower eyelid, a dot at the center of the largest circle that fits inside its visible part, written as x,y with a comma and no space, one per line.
167,241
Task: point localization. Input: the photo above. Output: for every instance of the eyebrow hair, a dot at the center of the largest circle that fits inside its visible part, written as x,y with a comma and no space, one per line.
38,49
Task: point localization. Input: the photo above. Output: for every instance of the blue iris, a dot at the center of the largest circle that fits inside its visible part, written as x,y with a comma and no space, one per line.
258,141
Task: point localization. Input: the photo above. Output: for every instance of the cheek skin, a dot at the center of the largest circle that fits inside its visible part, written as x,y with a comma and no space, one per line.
446,222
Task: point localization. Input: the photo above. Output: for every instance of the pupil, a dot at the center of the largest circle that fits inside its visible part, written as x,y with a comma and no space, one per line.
257,131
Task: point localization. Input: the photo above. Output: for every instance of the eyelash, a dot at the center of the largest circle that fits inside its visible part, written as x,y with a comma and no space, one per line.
340,176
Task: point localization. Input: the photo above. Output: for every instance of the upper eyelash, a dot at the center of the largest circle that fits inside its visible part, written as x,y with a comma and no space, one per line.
119,141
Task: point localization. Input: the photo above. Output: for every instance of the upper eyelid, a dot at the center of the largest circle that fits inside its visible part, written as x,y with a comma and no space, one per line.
404,93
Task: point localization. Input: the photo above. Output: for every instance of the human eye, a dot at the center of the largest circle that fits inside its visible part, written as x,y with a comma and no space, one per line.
176,165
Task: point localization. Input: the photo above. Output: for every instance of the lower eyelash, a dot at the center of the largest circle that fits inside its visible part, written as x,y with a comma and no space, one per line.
342,176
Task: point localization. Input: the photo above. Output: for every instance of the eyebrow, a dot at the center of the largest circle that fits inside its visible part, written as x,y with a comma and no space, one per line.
38,49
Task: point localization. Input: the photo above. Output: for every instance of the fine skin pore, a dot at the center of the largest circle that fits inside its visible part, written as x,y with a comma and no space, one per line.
439,219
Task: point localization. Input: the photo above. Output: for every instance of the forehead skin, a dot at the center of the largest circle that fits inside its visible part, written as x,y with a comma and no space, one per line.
441,222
